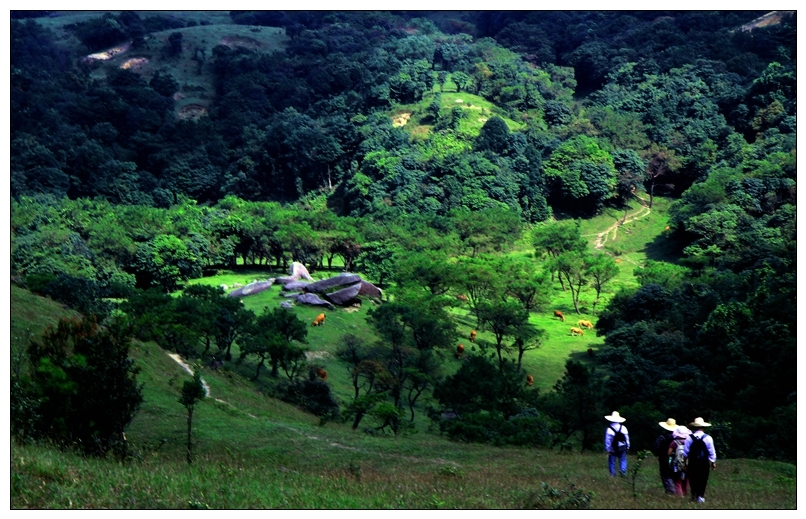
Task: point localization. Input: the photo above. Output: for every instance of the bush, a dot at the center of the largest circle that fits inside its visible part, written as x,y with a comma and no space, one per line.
314,396
82,389
527,428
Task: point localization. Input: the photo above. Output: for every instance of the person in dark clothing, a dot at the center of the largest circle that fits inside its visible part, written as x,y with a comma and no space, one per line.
661,449
700,459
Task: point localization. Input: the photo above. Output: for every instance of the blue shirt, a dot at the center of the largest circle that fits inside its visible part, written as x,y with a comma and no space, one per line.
709,444
609,435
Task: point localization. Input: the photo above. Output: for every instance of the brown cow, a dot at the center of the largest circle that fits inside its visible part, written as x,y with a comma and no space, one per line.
472,335
585,324
321,373
559,314
576,331
319,321
530,380
462,298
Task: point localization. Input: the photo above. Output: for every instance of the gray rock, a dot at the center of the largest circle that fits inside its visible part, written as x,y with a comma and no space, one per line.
296,271
286,304
313,299
348,293
251,288
295,285
319,287
368,289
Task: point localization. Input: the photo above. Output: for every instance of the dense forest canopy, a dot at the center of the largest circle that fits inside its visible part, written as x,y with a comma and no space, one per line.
515,119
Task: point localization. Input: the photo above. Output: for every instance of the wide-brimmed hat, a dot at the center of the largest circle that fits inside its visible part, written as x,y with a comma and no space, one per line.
681,432
699,422
670,424
615,417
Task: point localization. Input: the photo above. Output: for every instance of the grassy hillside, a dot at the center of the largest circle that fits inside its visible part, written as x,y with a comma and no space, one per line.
255,452
197,86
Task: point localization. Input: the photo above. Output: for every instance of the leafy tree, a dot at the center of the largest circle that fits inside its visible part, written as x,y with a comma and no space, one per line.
494,136
231,322
504,319
480,384
85,384
557,238
573,266
270,336
192,393
576,404
601,268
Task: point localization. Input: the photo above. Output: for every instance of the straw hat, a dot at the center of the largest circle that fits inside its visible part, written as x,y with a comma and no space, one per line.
681,432
699,422
615,417
670,424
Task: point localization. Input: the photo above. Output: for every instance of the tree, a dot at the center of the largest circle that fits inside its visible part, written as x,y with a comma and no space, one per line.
556,238
663,162
493,136
270,336
573,266
504,319
576,404
86,384
174,46
481,385
192,392
601,269
231,322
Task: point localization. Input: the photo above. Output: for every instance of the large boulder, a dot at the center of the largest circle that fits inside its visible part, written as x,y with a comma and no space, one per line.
368,289
344,295
251,288
296,271
296,285
313,299
321,286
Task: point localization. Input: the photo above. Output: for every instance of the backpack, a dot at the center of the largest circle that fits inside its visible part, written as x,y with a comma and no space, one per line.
698,449
661,445
677,462
619,443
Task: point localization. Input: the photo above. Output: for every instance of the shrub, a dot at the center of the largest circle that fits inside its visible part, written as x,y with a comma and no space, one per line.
313,396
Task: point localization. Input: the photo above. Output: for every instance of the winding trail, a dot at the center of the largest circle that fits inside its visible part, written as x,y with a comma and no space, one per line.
178,359
611,232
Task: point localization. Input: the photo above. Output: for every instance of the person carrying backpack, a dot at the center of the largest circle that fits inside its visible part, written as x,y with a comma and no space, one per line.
660,448
617,443
700,458
676,460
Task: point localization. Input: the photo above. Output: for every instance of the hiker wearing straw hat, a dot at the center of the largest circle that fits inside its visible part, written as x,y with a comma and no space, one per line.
617,443
700,458
661,448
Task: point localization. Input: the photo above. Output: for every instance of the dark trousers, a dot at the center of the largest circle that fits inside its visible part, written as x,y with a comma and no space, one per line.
697,474
666,475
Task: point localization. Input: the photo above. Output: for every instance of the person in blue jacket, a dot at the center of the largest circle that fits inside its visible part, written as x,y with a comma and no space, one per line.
617,443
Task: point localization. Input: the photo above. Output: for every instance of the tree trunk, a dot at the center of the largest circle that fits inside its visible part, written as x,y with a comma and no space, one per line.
190,427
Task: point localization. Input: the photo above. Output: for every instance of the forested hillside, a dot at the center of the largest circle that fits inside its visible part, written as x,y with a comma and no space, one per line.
438,155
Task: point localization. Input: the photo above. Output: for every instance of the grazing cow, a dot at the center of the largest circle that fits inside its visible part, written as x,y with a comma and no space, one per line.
618,260
585,324
321,373
576,331
462,298
319,321
530,380
559,314
459,350
472,335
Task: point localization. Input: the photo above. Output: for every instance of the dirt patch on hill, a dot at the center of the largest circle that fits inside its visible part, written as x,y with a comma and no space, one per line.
108,54
134,63
192,112
401,119
771,18
241,41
